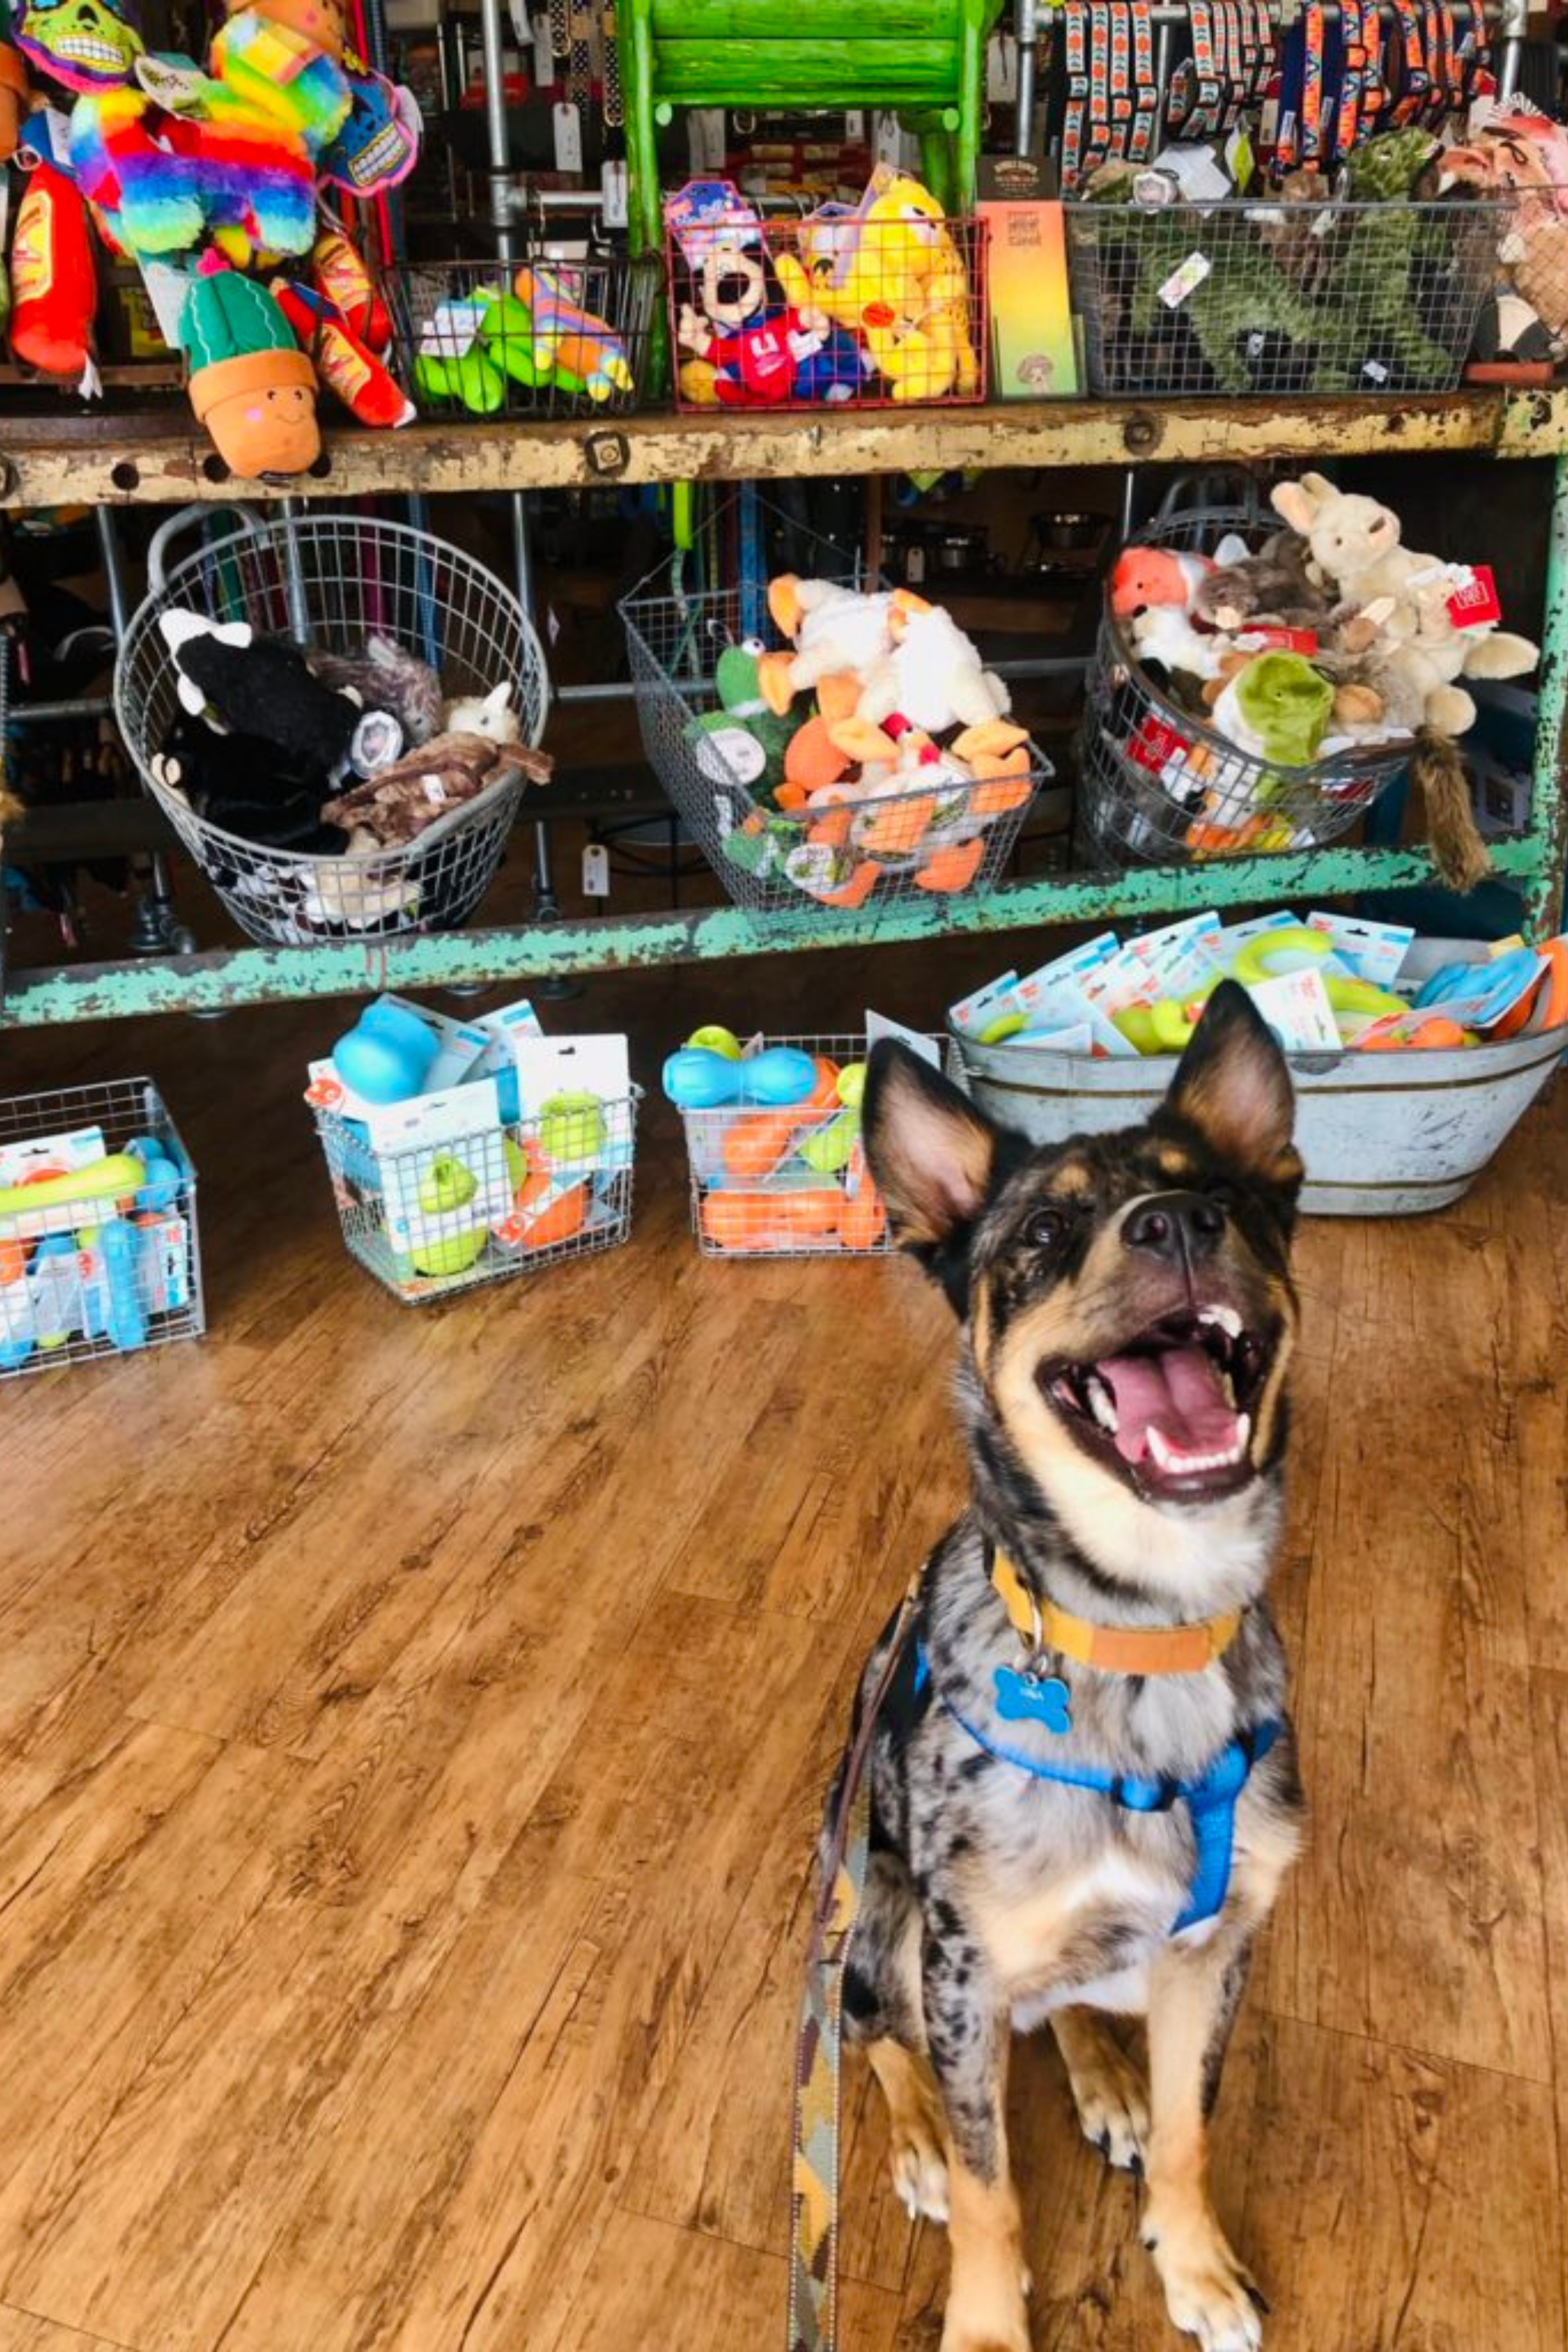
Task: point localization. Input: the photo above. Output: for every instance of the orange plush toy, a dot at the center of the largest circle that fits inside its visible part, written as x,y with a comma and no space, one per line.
251,385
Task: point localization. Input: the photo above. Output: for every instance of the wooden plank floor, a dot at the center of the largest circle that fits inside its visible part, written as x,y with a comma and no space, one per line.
413,1726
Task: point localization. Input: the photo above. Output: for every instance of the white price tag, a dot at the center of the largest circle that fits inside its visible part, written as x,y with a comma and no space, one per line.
613,194
1184,280
595,871
568,136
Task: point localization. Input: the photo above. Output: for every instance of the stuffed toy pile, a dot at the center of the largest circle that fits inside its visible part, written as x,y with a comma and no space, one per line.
864,302
1330,641
210,175
328,755
872,749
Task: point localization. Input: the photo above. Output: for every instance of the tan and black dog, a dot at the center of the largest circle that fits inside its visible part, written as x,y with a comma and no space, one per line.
1084,1787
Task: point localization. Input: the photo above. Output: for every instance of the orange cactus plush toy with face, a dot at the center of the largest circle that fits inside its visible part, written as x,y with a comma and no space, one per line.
251,385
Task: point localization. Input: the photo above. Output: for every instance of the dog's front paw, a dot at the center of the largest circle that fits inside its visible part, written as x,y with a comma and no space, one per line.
1113,2102
919,2172
1209,2294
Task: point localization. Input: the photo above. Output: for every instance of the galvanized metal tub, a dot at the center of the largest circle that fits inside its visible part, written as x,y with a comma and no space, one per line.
1382,1135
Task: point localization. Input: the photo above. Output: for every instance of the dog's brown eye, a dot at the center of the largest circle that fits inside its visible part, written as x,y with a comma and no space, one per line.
1046,1228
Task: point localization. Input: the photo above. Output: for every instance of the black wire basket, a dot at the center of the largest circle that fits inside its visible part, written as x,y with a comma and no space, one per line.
546,338
1277,300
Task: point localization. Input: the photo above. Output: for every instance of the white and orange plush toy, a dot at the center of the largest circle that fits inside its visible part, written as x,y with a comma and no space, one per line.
881,665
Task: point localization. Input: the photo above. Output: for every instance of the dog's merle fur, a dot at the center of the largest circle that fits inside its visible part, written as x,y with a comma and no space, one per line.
995,1898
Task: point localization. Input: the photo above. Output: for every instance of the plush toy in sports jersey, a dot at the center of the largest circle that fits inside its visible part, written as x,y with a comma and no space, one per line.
251,385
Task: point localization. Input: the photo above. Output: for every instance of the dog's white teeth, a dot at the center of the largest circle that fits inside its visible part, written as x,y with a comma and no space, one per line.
1226,1318
1101,1403
1176,1462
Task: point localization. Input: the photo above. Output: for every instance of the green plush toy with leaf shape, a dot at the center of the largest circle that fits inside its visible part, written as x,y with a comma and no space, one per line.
742,741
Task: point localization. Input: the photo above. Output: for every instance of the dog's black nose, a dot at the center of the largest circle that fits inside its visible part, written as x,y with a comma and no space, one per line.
1175,1226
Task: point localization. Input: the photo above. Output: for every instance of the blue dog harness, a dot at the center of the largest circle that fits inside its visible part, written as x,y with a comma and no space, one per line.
1210,1798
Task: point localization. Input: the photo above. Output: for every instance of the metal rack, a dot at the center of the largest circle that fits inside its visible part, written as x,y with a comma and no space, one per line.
164,462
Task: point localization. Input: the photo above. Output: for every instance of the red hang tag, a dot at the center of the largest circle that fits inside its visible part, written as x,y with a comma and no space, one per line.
1476,604
1279,640
1155,744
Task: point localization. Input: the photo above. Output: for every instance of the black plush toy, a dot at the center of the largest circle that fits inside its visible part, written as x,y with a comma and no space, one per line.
242,785
263,687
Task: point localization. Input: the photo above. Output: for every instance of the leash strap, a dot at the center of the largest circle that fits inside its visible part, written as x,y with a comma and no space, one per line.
1262,50
1145,85
1075,47
1347,118
1099,90
819,2046
1415,81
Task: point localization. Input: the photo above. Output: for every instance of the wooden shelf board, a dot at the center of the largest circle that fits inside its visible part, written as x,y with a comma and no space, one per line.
160,459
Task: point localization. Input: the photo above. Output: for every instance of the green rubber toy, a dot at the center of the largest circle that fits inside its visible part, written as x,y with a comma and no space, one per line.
473,380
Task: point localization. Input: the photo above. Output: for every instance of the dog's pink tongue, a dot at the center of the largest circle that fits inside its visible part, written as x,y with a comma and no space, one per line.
1179,1391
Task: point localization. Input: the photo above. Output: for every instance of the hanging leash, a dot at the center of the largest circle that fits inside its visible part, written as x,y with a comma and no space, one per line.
819,2046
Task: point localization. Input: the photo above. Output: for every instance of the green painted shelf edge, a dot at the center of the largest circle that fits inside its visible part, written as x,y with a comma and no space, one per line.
223,979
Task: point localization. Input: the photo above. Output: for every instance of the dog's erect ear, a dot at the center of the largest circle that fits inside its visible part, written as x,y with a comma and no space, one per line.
933,1154
1233,1087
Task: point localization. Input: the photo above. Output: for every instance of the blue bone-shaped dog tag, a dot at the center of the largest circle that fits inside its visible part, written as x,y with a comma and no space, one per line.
1033,1699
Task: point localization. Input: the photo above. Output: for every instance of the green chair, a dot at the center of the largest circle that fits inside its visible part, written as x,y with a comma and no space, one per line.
924,57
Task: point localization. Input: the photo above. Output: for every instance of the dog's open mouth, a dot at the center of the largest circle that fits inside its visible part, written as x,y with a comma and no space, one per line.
1172,1410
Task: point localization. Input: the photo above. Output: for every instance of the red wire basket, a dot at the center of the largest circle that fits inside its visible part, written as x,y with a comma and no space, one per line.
831,310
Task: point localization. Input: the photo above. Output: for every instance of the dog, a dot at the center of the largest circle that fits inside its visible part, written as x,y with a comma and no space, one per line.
1084,1792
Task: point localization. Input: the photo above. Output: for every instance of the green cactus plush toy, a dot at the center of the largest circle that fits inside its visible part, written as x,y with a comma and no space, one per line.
251,385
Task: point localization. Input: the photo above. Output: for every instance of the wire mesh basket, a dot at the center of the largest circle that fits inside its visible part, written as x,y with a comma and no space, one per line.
330,581
475,1208
867,853
98,1227
831,309
1156,783
555,338
788,1181
1279,298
